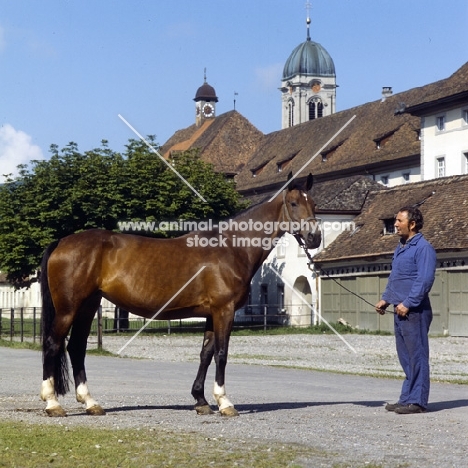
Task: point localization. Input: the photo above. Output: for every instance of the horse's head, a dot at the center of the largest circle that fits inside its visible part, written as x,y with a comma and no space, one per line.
299,212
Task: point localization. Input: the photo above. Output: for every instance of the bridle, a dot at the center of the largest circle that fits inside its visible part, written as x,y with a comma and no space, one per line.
290,221
300,240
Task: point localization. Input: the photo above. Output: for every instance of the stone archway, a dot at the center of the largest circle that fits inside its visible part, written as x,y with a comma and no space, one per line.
301,311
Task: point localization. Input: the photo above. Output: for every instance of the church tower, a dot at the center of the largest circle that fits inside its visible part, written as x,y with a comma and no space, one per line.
205,103
308,85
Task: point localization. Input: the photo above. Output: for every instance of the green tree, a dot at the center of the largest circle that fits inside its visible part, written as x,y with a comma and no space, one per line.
74,191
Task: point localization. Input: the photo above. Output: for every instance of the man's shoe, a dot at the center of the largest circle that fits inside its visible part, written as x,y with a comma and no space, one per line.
410,409
392,406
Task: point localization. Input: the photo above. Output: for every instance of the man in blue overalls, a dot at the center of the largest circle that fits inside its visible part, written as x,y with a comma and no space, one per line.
409,283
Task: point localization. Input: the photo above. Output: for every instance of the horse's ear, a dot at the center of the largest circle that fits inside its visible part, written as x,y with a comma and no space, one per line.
289,178
310,182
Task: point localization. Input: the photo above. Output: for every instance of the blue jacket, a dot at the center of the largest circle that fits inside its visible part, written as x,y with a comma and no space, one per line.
413,273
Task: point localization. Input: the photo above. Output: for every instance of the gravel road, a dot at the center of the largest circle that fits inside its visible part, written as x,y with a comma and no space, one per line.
278,385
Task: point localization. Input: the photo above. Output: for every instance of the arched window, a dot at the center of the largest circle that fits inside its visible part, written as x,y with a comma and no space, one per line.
319,109
311,110
291,113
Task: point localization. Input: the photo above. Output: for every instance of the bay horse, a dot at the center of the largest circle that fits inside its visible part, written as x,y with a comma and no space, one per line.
142,274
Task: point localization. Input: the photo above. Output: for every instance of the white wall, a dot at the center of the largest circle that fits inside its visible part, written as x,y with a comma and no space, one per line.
451,143
400,177
290,265
11,298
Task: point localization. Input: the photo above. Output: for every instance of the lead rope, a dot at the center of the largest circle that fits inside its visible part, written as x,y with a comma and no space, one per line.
301,243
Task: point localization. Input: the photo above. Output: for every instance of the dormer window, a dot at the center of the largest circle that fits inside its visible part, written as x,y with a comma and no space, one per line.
284,164
256,172
384,179
327,153
389,226
383,140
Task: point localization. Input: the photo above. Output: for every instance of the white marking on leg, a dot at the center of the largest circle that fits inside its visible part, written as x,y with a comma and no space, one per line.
222,400
48,393
83,396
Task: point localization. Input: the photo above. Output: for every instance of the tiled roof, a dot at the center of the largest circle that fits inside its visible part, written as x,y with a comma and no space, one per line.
355,149
381,135
226,141
346,195
451,87
444,205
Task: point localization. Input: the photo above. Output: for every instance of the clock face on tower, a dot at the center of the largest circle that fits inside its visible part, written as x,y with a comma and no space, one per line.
208,110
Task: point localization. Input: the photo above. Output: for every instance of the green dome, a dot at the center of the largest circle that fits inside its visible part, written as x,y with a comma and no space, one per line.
309,59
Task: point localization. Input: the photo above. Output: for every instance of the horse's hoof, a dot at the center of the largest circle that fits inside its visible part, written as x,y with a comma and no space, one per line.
95,410
56,412
204,410
229,411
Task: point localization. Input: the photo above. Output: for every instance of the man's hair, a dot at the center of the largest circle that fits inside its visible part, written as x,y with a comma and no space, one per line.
414,215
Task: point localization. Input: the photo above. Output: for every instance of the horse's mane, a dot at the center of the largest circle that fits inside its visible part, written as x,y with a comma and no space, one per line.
294,186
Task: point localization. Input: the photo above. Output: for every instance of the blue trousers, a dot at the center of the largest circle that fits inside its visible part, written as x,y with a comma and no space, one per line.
412,345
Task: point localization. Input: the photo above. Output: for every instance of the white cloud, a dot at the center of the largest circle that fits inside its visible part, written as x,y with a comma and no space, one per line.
15,148
268,77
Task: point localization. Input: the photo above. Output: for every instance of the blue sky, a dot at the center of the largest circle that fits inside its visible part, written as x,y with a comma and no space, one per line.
69,67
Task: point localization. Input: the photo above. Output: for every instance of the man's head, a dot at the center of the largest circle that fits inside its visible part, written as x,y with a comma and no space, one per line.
408,222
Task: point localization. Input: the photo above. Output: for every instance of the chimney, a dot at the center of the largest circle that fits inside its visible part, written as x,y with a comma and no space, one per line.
386,92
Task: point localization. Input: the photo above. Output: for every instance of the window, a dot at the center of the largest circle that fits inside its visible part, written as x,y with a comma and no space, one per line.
465,163
311,110
315,107
264,298
389,226
280,297
281,247
440,122
440,167
384,179
465,116
291,114
320,109
282,165
258,170
406,176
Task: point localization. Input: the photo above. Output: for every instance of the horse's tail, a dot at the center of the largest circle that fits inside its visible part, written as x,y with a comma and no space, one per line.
60,371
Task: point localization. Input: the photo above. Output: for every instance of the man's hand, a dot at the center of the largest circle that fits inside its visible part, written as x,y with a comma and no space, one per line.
381,306
401,310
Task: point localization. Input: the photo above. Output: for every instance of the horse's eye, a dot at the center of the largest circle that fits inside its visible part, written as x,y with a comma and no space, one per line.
293,204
